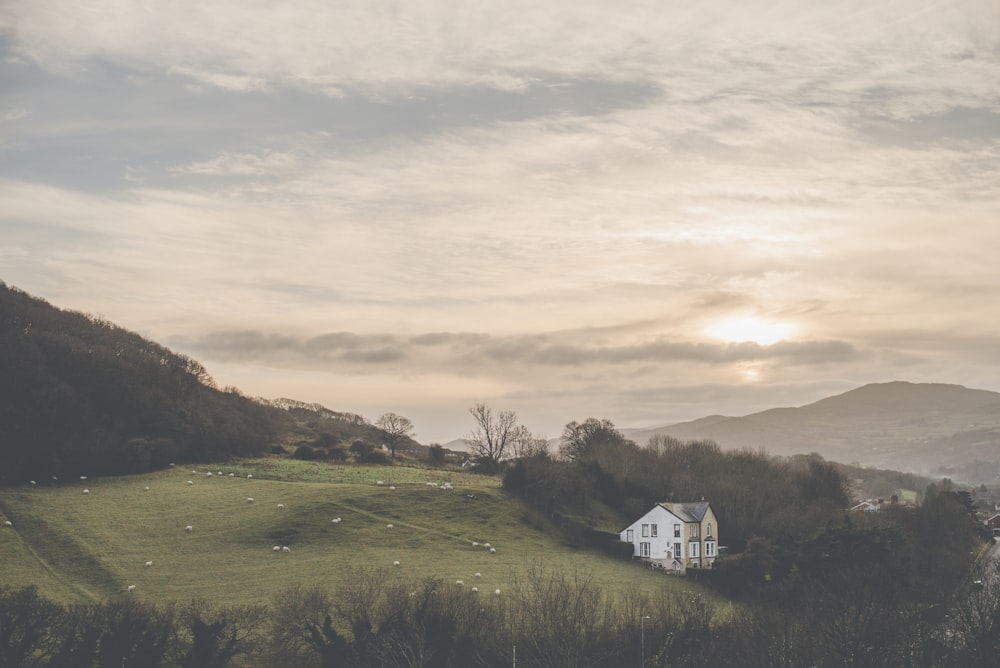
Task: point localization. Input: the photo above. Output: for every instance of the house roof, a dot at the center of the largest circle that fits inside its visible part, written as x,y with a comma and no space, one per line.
693,511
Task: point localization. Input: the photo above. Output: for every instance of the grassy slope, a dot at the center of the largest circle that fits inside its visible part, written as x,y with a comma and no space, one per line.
78,547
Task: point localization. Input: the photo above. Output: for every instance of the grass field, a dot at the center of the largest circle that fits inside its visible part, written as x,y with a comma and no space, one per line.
79,547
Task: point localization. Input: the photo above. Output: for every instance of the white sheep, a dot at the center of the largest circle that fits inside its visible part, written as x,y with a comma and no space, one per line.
379,482
190,482
477,575
392,487
475,543
231,475
193,472
131,587
8,523
388,526
395,563
281,505
249,499
497,592
276,548
486,545
475,590
148,564
336,520
249,475
220,472
286,549
209,474
86,491
83,477
459,583
493,550
189,528
33,482
147,488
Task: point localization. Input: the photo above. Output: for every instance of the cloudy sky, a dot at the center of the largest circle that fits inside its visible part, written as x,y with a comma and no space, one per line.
647,212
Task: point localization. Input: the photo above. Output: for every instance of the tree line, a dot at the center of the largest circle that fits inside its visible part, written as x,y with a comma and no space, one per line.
542,618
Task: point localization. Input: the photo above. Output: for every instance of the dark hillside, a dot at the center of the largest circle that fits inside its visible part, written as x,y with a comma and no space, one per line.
79,394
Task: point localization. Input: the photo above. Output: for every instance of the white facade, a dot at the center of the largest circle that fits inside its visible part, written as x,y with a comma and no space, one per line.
657,536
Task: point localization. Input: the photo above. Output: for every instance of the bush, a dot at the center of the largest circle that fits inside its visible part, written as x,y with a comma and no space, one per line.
306,453
374,457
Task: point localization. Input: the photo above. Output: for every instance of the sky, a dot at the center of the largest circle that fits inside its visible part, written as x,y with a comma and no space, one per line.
646,212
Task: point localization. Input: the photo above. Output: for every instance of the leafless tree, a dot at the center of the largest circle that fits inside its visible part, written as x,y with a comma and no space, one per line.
396,428
494,434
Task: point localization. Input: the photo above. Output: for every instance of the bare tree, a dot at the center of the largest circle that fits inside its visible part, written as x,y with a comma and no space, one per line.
396,428
524,444
493,435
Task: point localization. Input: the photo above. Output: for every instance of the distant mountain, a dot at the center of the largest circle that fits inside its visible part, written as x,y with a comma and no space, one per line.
929,428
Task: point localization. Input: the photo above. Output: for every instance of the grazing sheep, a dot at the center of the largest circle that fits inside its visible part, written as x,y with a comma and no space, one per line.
220,472
388,526
395,563
193,472
493,550
392,487
276,548
131,587
475,544
83,477
249,499
8,523
459,583
231,475
209,474
190,482
497,592
249,475
148,564
189,528
172,464
281,505
286,549
475,590
86,491
379,482
486,545
147,488
335,520
478,575
33,482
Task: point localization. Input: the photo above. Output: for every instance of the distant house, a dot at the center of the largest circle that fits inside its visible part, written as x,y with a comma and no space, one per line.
675,536
994,524
866,506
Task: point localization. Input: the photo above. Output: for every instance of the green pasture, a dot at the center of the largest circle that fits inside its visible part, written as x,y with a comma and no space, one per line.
78,546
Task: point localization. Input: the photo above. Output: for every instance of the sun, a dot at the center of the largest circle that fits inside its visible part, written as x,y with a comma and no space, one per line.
741,329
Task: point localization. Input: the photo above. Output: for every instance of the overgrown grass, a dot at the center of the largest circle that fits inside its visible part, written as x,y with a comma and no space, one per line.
78,546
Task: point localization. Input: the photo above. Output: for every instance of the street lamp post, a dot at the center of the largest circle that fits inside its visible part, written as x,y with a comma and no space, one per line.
642,641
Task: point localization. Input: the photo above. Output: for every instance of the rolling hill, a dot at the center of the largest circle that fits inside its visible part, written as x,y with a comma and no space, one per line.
929,428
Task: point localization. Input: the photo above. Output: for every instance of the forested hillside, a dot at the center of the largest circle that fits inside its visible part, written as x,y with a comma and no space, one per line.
80,395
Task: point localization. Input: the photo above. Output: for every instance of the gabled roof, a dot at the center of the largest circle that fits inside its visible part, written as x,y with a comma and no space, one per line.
693,511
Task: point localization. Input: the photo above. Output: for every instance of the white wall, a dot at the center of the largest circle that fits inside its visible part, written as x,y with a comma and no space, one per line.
661,545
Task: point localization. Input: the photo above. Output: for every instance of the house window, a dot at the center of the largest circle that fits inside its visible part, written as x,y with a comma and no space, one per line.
709,549
645,531
652,531
708,530
643,549
677,551
677,531
629,536
694,531
694,551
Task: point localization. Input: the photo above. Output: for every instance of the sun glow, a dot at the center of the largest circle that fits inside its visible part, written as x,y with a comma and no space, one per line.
740,329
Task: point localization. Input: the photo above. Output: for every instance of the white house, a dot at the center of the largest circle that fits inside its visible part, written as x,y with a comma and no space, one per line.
675,536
